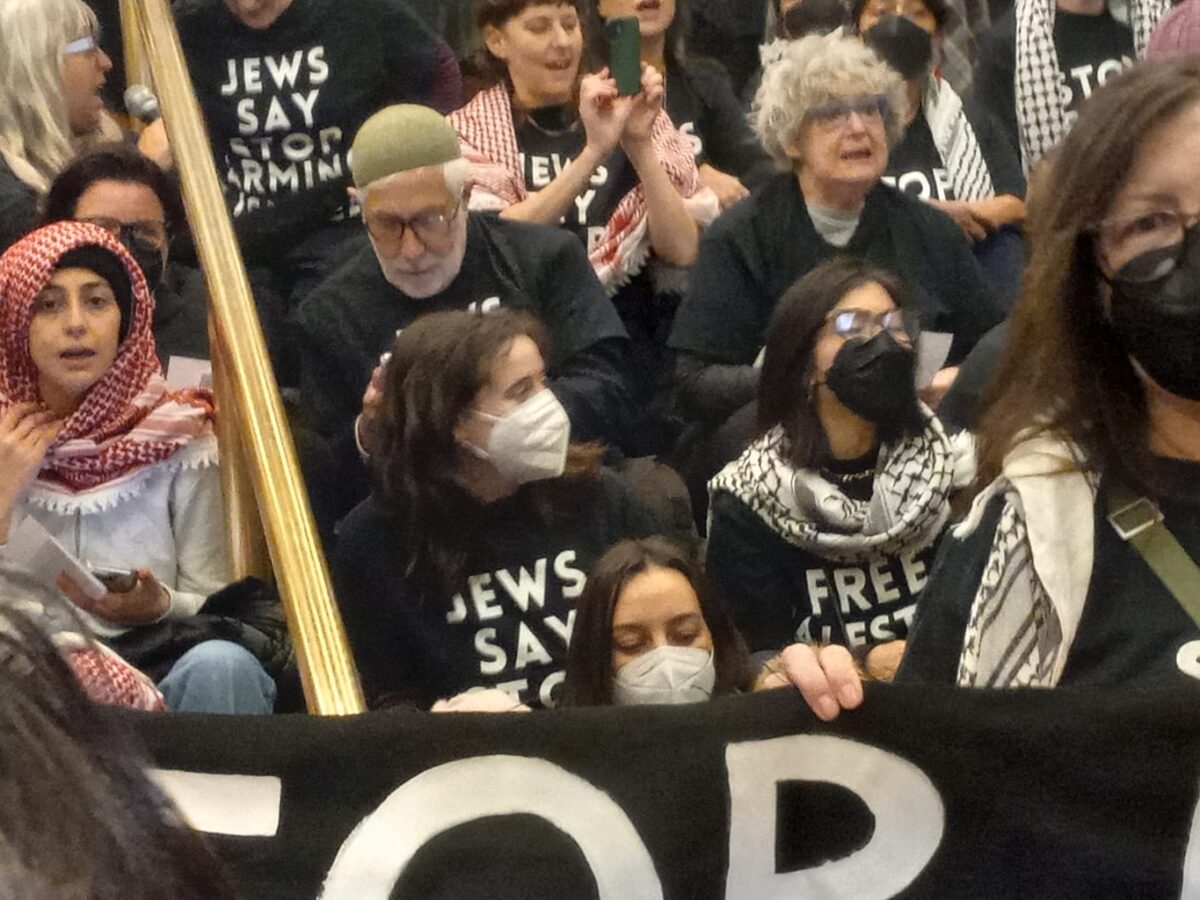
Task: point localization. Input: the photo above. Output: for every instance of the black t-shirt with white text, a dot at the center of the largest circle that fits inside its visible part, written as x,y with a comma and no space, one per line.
915,166
282,104
507,624
549,139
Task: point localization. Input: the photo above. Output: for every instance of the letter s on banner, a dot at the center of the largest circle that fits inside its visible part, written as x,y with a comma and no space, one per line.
908,811
371,860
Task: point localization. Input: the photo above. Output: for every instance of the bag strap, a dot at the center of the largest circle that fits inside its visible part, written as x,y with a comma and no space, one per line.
1139,522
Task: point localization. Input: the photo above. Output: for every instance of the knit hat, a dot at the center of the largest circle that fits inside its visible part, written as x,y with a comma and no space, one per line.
400,138
105,264
1178,34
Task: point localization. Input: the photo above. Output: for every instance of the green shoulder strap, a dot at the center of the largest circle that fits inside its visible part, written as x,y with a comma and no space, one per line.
1139,522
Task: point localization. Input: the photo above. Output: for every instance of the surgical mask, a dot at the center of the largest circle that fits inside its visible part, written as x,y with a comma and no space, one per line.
902,44
666,675
1158,320
876,380
529,442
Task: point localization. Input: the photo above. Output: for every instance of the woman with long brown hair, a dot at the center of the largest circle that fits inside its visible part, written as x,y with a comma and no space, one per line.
1073,564
461,570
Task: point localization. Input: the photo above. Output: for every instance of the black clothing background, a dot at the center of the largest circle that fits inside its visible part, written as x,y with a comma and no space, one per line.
181,314
1080,40
1131,629
730,32
18,207
412,645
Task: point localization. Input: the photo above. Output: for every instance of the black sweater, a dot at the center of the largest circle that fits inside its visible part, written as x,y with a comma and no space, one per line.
507,620
18,207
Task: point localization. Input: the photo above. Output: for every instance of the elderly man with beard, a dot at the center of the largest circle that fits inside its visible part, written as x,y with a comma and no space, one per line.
424,252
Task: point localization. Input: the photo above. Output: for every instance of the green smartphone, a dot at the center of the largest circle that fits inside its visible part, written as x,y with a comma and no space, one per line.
625,54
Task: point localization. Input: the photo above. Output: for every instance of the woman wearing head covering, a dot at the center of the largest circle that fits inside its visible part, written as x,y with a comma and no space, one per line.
120,471
50,104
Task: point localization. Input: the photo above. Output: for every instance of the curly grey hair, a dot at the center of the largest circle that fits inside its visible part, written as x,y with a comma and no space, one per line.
812,71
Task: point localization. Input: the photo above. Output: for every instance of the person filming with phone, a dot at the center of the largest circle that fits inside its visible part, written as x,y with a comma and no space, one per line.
597,154
121,472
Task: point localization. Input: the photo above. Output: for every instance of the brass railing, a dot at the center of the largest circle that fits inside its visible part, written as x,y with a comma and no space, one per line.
264,494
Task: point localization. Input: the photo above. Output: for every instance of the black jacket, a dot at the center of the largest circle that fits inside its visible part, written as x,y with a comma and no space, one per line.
18,207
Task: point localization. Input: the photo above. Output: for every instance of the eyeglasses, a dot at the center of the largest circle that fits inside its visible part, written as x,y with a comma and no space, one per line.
428,227
151,232
1147,246
835,115
863,323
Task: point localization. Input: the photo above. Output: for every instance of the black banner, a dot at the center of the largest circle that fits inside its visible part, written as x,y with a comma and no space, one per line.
924,792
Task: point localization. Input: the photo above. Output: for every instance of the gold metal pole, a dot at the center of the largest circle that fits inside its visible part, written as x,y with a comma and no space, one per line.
137,70
326,666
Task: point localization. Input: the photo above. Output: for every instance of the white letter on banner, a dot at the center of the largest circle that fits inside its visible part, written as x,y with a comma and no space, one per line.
370,862
908,811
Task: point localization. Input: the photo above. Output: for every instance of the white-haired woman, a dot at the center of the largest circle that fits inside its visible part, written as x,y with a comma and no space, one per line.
51,73
828,110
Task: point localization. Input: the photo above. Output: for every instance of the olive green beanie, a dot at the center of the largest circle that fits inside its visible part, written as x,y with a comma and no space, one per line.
399,138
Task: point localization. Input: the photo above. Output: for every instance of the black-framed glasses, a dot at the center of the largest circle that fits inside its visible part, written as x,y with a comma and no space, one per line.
864,323
431,226
1147,246
835,114
149,232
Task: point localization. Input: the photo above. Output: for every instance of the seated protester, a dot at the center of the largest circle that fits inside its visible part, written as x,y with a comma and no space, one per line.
699,94
546,146
284,85
1089,455
123,192
956,157
427,253
92,821
649,630
826,109
1042,58
823,531
462,569
120,471
50,106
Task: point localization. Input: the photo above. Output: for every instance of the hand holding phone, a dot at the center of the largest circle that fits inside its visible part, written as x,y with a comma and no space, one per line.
115,581
625,54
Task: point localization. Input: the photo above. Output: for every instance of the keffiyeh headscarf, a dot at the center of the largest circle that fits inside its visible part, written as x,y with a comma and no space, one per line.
128,420
489,142
1041,114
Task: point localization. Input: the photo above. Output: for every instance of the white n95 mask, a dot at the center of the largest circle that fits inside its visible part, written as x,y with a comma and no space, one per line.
666,675
529,442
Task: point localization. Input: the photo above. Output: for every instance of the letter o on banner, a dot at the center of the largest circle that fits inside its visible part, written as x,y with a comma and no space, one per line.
371,860
909,818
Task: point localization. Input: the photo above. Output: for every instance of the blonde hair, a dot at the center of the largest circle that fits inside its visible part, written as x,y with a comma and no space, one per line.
34,124
813,71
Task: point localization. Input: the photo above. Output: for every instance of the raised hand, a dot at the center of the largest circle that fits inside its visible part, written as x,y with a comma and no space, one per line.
25,436
603,112
645,107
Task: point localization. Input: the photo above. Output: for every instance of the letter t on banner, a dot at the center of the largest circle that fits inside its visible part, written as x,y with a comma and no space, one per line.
908,811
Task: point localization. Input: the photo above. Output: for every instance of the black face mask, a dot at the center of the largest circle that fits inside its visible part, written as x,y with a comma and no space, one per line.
149,260
1158,321
814,17
902,44
876,380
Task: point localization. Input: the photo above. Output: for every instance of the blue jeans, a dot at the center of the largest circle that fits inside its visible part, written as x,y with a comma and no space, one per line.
219,677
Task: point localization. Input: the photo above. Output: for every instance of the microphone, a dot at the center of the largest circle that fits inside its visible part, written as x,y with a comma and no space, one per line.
141,103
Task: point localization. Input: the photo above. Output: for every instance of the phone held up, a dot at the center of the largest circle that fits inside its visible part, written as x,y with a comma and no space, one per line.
625,54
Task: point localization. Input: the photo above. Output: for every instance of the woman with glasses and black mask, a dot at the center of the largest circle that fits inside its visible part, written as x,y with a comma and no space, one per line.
828,110
1076,564
126,194
823,530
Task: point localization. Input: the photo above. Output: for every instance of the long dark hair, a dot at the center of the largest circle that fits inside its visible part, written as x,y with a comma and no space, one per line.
675,49
81,817
1064,372
589,671
784,394
112,162
439,363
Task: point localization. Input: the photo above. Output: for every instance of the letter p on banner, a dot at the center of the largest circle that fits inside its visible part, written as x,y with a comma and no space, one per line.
909,818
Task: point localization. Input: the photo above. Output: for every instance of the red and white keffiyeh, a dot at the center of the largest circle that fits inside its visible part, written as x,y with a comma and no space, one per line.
105,677
128,419
489,137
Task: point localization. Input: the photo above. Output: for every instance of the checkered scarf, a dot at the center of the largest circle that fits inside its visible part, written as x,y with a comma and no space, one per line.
489,138
1041,114
956,142
105,677
128,419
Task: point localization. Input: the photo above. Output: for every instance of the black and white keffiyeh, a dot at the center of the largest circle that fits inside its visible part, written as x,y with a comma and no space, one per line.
908,509
1041,111
1027,609
956,142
